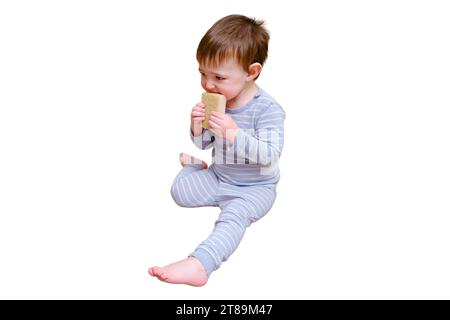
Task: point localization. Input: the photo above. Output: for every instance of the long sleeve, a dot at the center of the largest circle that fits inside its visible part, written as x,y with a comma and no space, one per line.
262,145
203,141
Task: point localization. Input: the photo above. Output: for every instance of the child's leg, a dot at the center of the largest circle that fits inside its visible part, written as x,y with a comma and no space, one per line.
236,216
227,234
194,186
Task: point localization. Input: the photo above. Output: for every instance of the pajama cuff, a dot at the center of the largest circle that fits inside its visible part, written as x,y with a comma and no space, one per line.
205,259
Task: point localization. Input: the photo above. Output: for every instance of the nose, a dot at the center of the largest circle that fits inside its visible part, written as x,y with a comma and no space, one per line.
209,85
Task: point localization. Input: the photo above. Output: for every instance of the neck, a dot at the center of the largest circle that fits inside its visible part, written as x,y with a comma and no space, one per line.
244,96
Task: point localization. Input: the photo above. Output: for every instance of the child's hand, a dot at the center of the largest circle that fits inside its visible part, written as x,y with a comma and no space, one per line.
197,116
198,112
223,125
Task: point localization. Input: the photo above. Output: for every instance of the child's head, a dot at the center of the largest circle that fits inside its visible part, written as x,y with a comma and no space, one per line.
232,53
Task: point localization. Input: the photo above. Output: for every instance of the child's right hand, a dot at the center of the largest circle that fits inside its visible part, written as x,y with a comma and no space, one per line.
198,112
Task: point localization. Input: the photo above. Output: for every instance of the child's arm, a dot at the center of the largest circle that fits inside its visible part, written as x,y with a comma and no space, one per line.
265,143
202,138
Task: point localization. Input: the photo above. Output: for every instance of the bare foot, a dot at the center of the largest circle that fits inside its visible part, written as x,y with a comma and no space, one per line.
188,271
188,159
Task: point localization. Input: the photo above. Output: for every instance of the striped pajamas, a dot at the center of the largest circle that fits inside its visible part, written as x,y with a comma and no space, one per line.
241,180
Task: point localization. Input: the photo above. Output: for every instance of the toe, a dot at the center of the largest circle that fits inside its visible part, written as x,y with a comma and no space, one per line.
162,276
156,271
151,271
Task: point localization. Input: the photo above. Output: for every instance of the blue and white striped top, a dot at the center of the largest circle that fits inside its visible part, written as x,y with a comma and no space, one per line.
252,159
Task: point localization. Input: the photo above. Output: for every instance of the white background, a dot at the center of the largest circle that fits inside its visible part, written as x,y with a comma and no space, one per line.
95,98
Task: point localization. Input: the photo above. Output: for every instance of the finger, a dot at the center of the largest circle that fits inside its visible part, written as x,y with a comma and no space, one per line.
194,115
215,120
214,124
219,115
199,109
198,118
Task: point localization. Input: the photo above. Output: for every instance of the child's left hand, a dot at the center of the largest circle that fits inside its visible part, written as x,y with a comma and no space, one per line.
223,125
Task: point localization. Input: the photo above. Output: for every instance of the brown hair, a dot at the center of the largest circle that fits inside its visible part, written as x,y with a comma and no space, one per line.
234,36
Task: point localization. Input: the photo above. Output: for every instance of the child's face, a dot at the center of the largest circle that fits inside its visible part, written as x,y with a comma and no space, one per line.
229,79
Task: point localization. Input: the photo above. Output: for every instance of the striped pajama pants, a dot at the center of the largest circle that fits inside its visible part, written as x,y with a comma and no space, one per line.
240,206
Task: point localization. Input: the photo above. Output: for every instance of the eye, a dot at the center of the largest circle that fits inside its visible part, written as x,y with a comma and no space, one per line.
202,73
220,78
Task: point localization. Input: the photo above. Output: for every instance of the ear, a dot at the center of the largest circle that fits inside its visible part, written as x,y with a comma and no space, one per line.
254,70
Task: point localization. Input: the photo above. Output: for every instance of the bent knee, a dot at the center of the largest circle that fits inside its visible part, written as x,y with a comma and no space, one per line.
179,196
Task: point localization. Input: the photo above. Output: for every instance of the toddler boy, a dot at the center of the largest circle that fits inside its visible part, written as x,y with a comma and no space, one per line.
246,142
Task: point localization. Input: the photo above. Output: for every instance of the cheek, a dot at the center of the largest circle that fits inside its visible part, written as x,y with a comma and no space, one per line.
225,91
203,83
229,90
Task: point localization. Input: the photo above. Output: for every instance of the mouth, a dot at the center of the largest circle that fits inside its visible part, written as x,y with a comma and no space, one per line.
216,92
